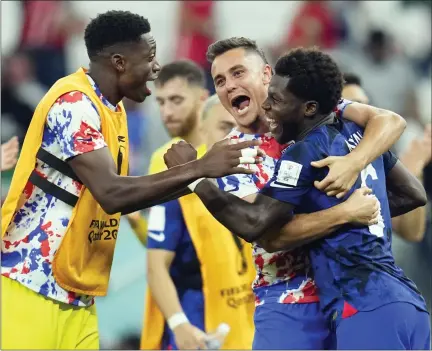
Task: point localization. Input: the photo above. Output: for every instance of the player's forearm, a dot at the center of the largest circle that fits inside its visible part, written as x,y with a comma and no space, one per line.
412,225
164,291
305,228
405,199
242,218
381,133
130,194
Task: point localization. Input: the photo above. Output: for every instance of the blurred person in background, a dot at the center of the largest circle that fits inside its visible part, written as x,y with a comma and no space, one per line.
410,226
47,26
180,94
388,76
187,248
9,153
20,93
315,24
196,30
285,301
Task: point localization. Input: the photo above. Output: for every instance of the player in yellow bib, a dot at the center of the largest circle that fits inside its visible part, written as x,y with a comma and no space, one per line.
61,216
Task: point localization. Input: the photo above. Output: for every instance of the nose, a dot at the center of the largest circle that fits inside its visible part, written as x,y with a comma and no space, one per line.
230,85
156,66
166,112
266,105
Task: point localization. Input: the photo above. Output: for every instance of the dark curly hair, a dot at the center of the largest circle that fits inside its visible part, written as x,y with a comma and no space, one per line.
222,46
185,69
313,76
114,27
352,78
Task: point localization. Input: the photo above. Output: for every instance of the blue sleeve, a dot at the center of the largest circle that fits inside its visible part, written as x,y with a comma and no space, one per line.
294,176
165,226
390,160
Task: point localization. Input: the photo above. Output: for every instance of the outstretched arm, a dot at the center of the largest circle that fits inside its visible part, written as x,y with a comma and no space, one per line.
250,221
123,194
382,129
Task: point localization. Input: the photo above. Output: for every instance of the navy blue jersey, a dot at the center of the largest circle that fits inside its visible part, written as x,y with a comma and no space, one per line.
355,264
167,230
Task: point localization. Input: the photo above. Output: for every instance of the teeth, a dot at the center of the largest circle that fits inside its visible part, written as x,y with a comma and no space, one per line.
243,111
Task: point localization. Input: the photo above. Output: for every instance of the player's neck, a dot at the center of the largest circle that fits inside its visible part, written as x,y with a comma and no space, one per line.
313,123
106,83
260,126
194,137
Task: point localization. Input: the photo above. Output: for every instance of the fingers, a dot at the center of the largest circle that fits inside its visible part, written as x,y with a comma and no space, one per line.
322,163
364,190
242,170
245,144
246,160
323,184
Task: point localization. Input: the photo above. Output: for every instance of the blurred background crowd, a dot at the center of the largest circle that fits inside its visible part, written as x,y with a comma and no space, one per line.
386,43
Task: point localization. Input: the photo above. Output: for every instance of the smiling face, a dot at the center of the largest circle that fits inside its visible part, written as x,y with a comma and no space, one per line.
284,111
137,66
241,80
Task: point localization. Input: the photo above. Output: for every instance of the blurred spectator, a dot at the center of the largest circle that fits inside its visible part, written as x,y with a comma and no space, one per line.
9,153
315,24
45,32
387,75
20,94
196,33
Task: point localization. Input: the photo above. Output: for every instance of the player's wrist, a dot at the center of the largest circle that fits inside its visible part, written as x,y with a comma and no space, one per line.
176,320
343,214
358,161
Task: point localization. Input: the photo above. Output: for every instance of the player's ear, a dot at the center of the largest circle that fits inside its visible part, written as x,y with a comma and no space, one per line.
267,74
311,108
119,62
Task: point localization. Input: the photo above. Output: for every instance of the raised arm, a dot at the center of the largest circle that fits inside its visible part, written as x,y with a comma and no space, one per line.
382,129
123,194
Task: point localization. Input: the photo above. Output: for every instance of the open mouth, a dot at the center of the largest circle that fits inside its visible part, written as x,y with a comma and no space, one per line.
241,104
147,90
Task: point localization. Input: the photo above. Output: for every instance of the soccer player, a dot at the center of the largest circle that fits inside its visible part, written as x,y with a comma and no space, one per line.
60,218
364,296
180,93
184,299
284,287
410,226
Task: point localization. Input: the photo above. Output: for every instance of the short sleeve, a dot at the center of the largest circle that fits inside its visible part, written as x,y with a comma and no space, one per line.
389,159
240,185
294,175
76,124
165,226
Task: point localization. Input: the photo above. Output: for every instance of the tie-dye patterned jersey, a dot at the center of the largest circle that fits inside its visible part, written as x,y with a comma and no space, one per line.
284,276
73,127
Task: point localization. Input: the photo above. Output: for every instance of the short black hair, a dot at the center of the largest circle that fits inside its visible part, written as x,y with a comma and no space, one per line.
352,78
114,27
185,69
222,46
313,75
